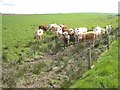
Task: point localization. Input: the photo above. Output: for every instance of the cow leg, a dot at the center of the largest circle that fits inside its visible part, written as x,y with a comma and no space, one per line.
38,39
76,39
100,38
65,45
68,42
84,44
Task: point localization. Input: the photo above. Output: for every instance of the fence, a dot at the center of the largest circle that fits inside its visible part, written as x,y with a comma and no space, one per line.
79,60
113,35
89,55
72,63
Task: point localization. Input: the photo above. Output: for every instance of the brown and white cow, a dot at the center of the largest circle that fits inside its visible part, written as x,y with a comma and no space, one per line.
64,27
53,27
44,27
88,37
78,33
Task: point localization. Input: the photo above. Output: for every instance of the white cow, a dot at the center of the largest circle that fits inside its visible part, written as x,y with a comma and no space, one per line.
59,31
66,38
39,34
108,29
99,31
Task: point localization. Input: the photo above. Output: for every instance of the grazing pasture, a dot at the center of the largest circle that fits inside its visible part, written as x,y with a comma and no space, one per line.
18,30
47,63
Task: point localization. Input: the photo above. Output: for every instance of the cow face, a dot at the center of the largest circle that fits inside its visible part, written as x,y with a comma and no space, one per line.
65,34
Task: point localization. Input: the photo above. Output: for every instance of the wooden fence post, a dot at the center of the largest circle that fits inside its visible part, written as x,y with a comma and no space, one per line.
108,41
89,55
116,34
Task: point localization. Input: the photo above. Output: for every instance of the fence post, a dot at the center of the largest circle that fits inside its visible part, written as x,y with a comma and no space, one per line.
108,41
116,34
89,55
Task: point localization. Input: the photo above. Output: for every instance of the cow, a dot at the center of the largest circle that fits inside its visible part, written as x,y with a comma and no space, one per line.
44,27
88,37
59,31
53,27
66,38
99,31
71,33
108,29
64,27
38,35
78,33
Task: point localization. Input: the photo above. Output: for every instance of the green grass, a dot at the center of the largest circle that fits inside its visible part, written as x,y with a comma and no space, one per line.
18,45
18,30
105,72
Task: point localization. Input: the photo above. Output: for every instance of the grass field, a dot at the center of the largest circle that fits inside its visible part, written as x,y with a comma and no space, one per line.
18,30
29,64
105,72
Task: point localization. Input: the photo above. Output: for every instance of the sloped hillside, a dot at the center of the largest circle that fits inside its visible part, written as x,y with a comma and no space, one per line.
105,72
